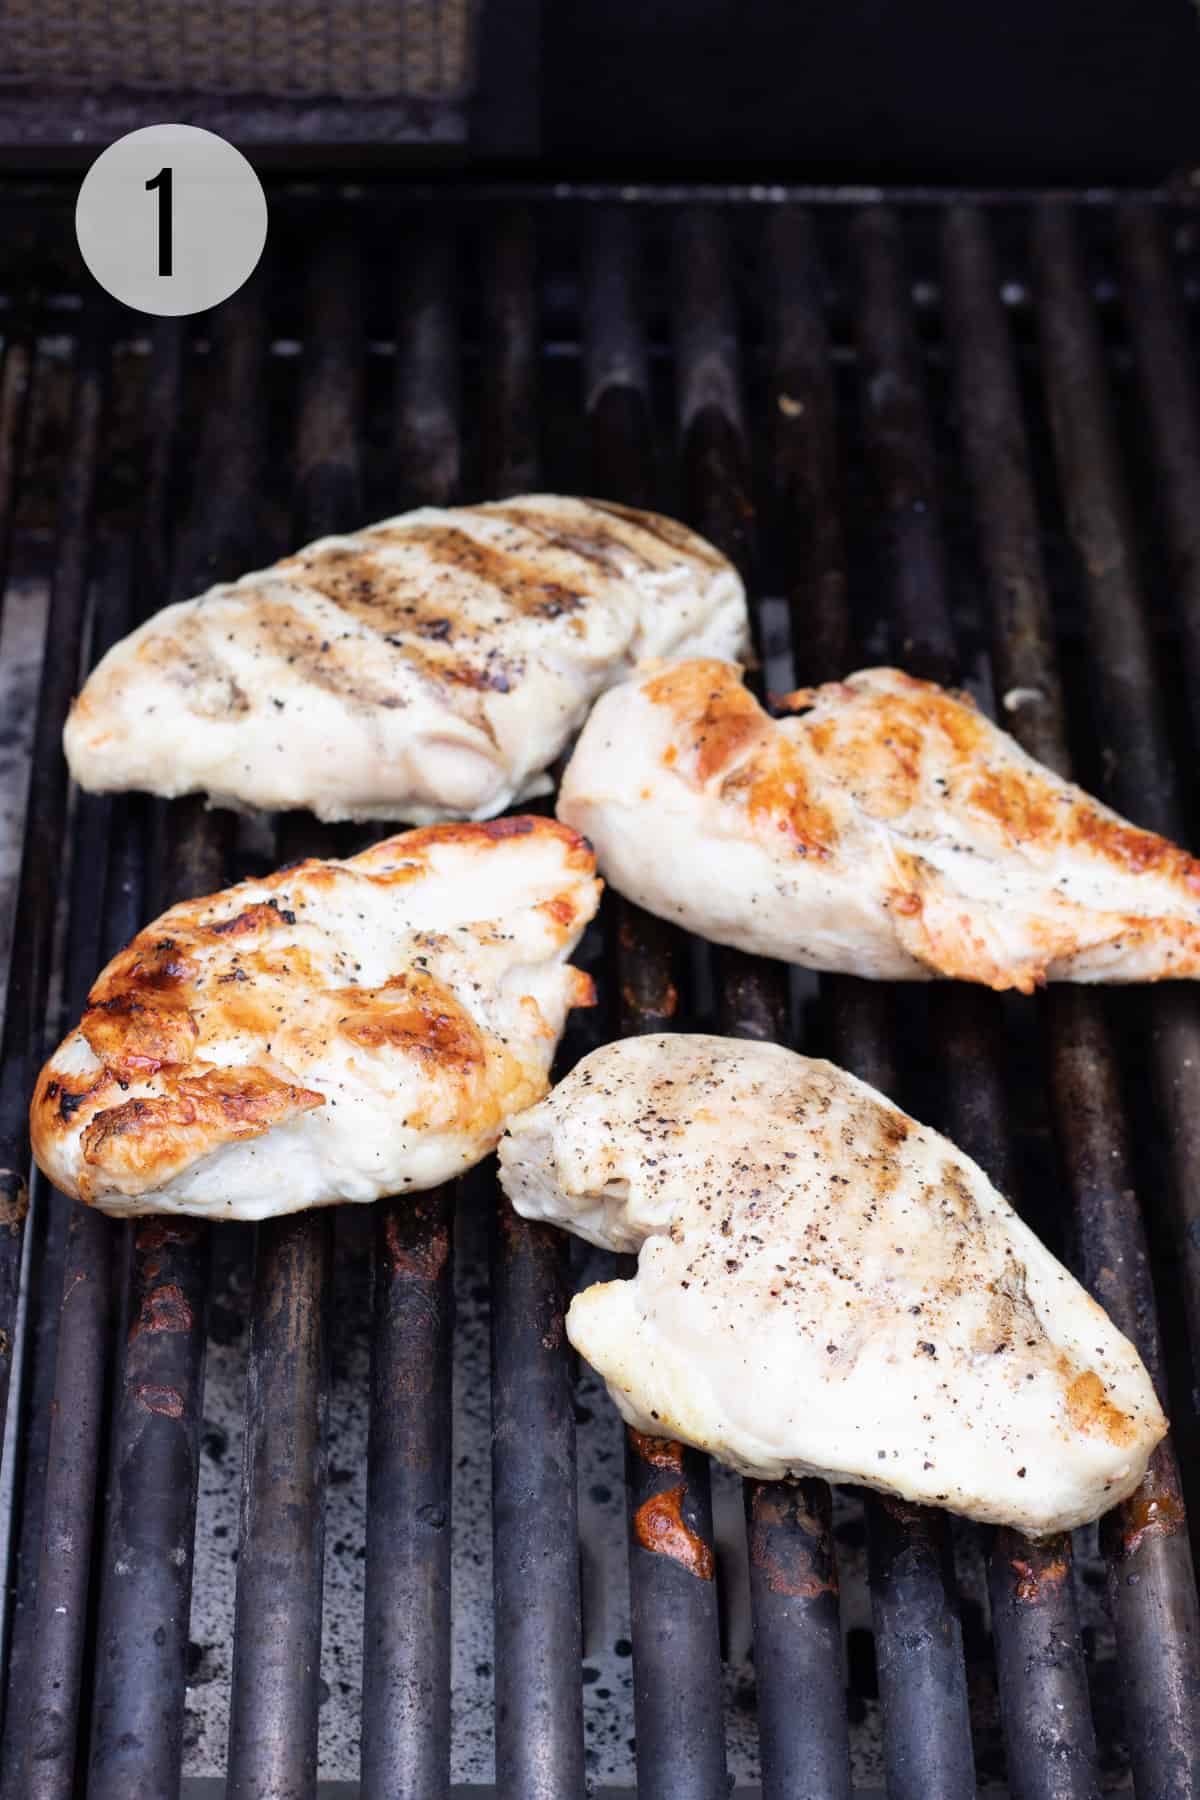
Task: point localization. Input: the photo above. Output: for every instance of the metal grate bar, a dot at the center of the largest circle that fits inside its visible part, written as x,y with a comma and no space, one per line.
222,537
510,425
406,1633
273,1731
676,1643
1168,388
719,502
144,1616
16,396
1139,770
145,1569
328,473
793,1565
77,1412
968,1023
1152,1579
45,822
277,1634
406,1645
1023,663
805,465
48,1222
539,1644
428,396
1091,1121
922,1676
1159,334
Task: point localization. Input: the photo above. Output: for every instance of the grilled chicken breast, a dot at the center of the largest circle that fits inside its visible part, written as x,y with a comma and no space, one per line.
338,1031
891,831
430,667
826,1287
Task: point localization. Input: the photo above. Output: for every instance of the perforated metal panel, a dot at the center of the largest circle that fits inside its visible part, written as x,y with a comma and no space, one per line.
280,49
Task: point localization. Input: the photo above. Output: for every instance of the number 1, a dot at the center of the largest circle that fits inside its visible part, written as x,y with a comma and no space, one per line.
161,184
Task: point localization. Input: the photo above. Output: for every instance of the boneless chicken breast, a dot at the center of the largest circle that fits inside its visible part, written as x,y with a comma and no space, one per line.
886,829
826,1287
429,667
337,1031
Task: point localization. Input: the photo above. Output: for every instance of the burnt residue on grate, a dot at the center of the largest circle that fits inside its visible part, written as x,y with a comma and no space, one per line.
900,421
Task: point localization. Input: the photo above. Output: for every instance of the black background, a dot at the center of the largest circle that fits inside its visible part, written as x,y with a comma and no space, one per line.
958,91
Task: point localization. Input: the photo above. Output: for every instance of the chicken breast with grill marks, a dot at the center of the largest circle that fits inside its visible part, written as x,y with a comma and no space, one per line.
825,1287
891,831
338,1031
430,667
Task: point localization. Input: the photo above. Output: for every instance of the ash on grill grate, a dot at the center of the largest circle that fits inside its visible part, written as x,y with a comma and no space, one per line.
902,465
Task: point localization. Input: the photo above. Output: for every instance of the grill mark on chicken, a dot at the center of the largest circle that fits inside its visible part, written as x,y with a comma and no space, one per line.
265,915
496,674
667,531
1092,1411
155,965
718,717
225,1026
1012,1325
592,542
938,848
417,1013
722,727
439,659
388,596
873,1138
1138,851
212,689
282,630
954,1197
1015,803
132,1038
433,665
141,1138
576,849
57,1100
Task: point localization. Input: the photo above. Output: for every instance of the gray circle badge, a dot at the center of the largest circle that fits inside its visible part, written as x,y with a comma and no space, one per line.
171,219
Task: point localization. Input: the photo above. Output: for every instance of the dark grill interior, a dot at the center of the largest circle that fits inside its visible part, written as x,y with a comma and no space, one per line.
960,436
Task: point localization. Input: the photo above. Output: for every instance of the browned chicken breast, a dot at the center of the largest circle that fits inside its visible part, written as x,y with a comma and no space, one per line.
889,830
338,1031
429,667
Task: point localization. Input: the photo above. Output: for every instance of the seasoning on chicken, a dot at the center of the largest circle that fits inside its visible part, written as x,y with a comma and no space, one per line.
429,667
337,1031
892,831
825,1287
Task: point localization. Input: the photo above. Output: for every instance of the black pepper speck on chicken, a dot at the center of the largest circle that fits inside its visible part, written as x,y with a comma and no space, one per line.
826,1287
887,829
429,667
340,1030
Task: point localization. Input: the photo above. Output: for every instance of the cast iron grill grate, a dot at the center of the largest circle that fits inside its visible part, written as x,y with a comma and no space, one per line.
959,434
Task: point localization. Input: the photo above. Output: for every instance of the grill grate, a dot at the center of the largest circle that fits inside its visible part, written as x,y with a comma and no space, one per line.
837,394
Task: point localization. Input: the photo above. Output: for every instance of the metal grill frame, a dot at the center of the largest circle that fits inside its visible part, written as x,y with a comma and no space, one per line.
96,1671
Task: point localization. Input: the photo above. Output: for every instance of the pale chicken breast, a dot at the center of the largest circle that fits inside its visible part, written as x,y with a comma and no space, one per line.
890,831
825,1287
429,667
337,1031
